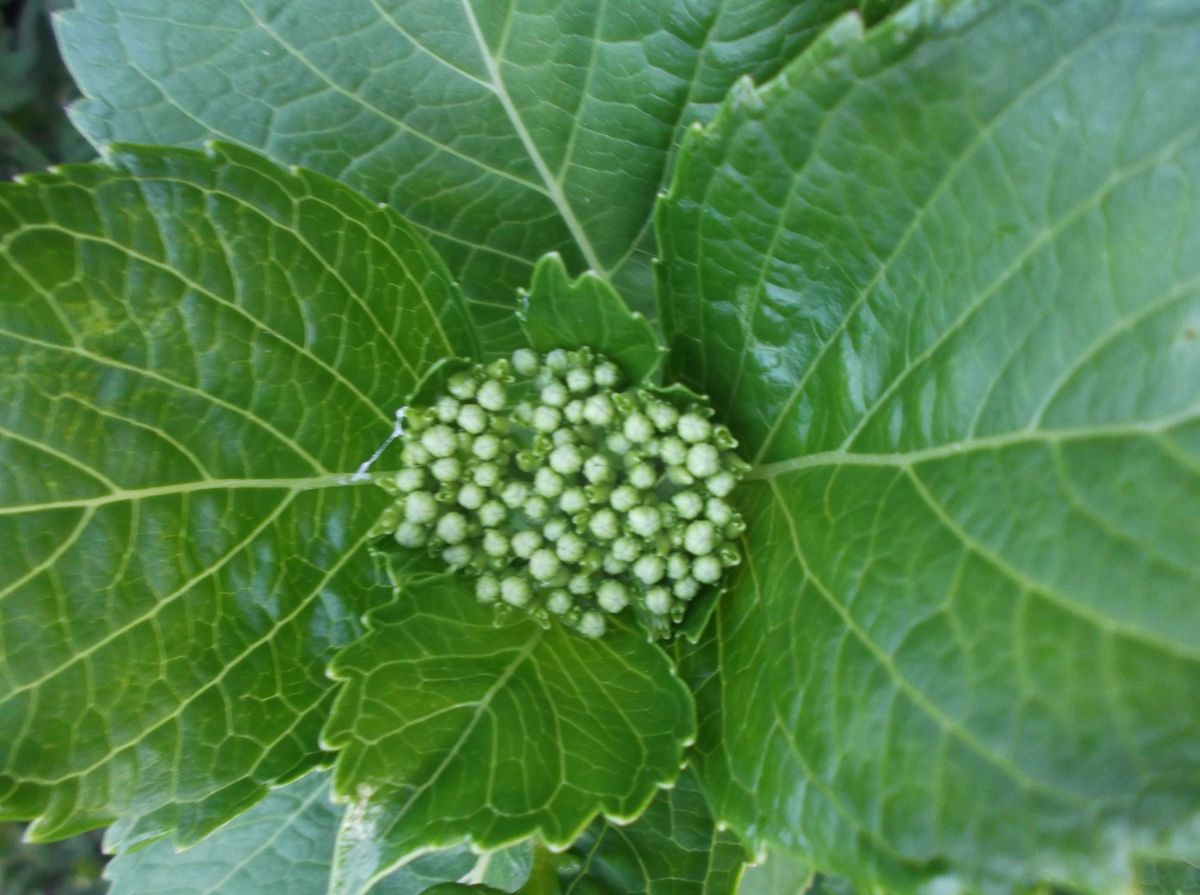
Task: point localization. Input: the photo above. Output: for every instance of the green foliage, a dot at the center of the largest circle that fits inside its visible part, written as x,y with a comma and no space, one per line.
505,130
450,727
939,275
184,339
967,645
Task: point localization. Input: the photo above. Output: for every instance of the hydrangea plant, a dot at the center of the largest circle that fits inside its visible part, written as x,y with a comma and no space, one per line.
798,462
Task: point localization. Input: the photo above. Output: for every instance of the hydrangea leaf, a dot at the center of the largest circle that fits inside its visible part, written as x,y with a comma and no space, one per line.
504,129
557,312
943,281
674,848
779,873
282,846
452,727
199,351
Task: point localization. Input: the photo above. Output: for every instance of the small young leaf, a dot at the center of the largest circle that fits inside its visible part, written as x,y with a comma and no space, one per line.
674,848
282,846
559,313
948,301
199,352
453,727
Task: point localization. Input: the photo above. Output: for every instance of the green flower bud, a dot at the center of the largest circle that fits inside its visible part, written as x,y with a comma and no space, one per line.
707,569
672,451
486,475
558,361
591,624
525,362
487,588
446,409
471,496
495,544
536,508
440,441
409,534
607,375
414,454
605,525
649,569
703,460
420,507
658,600
566,459
579,380
559,602
545,418
446,469
688,504
612,596
645,521
410,479
719,513
472,418
597,469
663,415
458,556
613,566
721,484
598,410
452,528
563,436
515,591
555,529
570,548
514,494
700,537
492,514
693,428
643,476
678,566
678,475
525,542
544,564
547,482
491,396
625,549
573,412
581,584
729,556
618,444
554,394
638,429
462,386
686,588
573,501
486,447
624,498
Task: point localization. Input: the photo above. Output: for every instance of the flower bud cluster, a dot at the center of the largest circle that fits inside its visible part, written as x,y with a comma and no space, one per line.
566,496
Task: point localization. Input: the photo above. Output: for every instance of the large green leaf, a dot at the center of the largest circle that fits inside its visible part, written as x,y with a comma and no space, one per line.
199,350
505,129
675,848
943,281
453,727
282,846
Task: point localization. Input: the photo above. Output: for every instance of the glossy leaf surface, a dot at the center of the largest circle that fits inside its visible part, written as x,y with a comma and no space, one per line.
557,312
943,281
451,727
505,129
198,352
